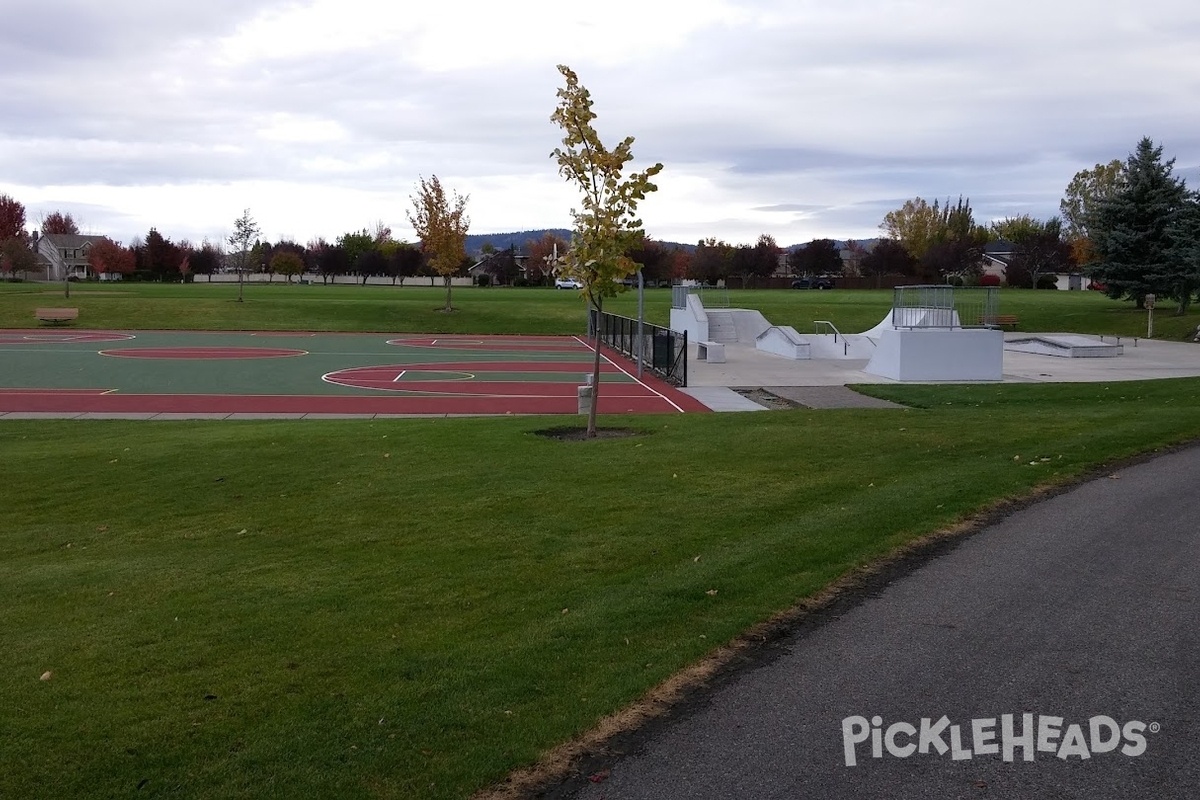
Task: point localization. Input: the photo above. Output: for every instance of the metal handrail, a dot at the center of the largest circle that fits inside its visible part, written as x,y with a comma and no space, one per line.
817,323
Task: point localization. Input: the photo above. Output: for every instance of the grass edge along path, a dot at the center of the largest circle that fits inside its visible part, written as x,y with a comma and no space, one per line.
415,608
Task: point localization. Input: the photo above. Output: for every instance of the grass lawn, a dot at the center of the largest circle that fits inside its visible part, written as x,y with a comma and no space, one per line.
412,608
506,310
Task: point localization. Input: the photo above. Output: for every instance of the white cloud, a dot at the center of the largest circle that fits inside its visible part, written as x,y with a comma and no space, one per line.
321,115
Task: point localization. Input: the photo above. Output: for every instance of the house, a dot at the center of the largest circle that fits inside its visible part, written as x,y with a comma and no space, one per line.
501,267
64,255
997,256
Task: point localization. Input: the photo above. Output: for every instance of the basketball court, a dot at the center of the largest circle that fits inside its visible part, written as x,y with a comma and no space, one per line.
198,374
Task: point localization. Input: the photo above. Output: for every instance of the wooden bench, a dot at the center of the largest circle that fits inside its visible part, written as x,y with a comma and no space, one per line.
712,352
1000,321
56,315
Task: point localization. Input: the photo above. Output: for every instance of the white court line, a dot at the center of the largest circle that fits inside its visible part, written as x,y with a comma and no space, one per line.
398,377
628,375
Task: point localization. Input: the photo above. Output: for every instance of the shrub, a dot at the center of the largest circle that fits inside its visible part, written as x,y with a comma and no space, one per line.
989,280
483,280
1047,282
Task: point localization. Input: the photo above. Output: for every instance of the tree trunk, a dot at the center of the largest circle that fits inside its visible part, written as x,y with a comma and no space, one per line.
591,424
448,306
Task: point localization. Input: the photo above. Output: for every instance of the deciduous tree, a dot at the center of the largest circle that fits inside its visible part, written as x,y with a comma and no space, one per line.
441,224
1084,193
106,257
653,259
288,264
606,226
16,259
245,232
888,257
915,225
944,239
158,256
818,257
207,259
711,261
544,257
12,219
1038,248
406,261
58,222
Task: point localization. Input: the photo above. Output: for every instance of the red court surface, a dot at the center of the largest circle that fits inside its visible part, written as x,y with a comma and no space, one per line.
206,374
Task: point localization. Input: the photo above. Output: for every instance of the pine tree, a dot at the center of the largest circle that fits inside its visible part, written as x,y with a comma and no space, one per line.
1185,244
1133,250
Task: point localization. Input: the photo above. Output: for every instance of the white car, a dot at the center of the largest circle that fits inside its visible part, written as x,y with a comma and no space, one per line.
567,283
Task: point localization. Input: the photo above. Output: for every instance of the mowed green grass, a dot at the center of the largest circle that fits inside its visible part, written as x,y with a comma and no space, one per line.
508,310
412,608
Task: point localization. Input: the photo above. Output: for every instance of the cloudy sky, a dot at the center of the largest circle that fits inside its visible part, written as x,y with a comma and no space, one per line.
797,118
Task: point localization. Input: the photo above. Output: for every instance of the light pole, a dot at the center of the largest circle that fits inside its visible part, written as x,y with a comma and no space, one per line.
641,318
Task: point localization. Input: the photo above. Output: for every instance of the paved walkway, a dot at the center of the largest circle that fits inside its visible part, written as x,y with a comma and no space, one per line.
1082,607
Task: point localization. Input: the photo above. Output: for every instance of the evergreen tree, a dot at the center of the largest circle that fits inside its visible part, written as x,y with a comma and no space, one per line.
1185,242
1134,253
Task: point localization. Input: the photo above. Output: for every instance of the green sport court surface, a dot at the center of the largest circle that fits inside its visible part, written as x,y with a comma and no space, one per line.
70,372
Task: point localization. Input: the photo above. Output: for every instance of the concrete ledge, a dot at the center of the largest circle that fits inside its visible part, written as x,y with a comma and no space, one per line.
712,352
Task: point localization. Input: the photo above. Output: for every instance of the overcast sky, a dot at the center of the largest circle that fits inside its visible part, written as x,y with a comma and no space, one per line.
797,118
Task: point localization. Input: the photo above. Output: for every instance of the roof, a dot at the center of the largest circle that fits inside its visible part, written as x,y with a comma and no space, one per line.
70,240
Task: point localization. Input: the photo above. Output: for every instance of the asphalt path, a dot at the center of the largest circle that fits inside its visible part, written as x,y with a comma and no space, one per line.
1082,607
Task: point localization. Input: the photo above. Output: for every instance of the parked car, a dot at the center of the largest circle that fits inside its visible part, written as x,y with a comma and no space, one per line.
567,283
812,283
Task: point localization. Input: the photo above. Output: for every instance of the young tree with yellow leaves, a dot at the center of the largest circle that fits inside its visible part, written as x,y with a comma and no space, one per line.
441,224
607,227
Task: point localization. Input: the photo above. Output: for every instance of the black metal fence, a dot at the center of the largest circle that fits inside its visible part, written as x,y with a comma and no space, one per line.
661,350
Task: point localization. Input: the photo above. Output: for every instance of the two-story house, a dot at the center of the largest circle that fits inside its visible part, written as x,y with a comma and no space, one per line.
64,255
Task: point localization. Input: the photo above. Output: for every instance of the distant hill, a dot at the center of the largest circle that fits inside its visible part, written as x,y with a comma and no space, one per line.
501,241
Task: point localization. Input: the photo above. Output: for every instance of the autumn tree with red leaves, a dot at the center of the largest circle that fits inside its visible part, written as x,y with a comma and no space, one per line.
545,254
56,222
12,219
106,257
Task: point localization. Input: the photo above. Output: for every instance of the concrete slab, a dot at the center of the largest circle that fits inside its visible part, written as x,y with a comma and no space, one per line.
1064,346
40,415
1145,360
180,416
829,397
720,398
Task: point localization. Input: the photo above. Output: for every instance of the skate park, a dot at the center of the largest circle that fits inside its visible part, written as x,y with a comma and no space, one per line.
937,334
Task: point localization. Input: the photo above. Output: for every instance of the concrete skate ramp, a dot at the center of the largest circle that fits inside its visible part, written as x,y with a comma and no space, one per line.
783,340
748,323
904,318
1064,345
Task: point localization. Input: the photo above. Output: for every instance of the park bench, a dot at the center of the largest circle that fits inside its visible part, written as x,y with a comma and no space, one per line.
56,315
712,352
1000,321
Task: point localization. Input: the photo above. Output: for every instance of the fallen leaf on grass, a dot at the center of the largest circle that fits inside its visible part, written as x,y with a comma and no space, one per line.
711,592
47,675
